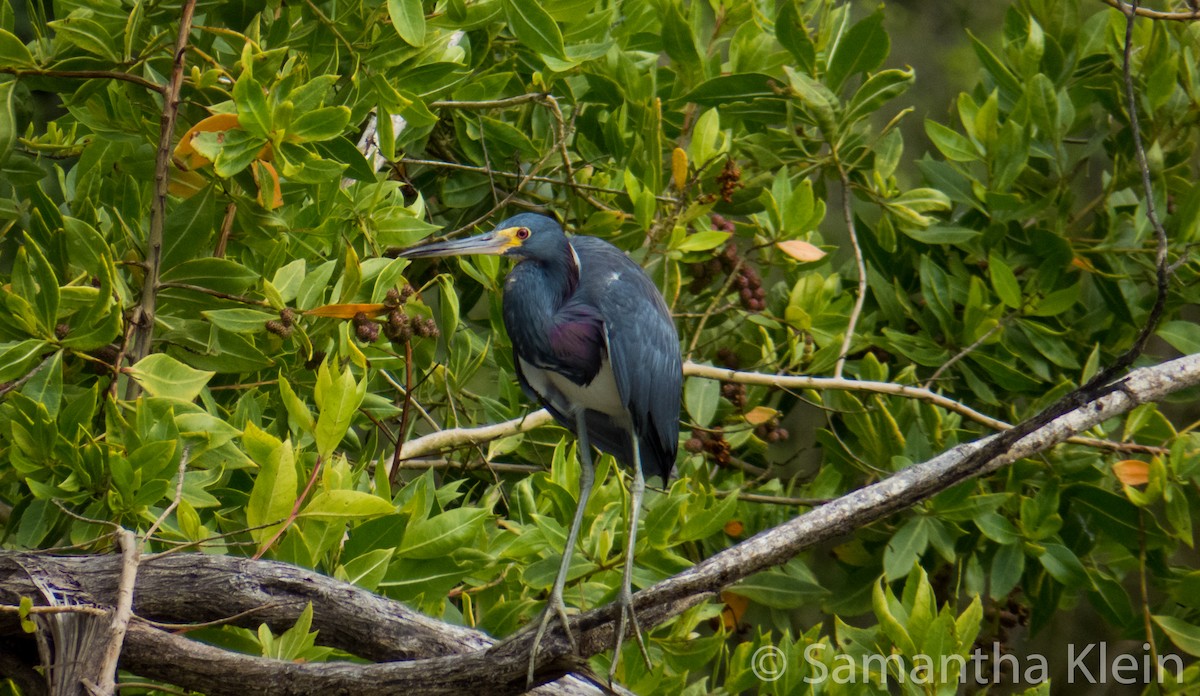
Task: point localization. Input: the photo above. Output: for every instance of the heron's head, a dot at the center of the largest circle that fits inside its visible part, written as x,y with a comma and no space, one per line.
524,236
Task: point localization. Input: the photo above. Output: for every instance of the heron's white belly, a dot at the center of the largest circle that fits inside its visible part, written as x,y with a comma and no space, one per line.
599,395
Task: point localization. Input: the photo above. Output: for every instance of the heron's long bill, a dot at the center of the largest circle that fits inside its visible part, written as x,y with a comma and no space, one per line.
496,242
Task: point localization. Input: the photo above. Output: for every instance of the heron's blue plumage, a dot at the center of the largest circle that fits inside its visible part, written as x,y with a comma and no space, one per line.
566,312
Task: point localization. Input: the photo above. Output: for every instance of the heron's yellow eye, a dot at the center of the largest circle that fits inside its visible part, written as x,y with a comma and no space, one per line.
523,233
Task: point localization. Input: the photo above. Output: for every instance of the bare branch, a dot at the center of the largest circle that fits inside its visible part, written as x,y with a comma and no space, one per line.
83,75
1191,16
848,214
144,312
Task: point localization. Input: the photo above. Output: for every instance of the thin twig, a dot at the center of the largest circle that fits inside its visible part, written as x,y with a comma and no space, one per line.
774,499
83,75
145,311
848,213
183,462
226,229
965,352
712,306
291,518
185,627
1191,16
18,383
213,293
510,175
394,473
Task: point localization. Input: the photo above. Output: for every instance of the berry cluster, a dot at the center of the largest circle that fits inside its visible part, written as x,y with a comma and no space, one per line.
366,330
1003,618
771,432
284,325
711,443
730,180
733,392
399,327
747,283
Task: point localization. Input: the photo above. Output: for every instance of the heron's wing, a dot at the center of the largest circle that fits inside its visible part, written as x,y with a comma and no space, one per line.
643,347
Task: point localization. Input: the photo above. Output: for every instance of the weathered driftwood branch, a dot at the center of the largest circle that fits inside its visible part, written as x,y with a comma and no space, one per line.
439,658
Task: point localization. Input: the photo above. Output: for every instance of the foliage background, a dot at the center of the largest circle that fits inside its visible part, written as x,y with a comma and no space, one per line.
1003,267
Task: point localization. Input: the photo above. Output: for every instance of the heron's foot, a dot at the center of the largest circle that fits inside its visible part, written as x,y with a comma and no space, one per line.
627,618
554,607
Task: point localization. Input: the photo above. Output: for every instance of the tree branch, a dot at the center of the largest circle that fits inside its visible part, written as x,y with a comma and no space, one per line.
447,659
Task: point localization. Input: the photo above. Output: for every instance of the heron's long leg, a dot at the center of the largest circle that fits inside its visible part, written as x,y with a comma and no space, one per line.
555,605
625,598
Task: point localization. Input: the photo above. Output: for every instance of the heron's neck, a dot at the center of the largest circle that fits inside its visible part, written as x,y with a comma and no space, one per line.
560,274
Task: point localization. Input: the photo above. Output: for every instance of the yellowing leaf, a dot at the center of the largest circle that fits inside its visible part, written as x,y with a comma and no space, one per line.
185,184
1132,472
760,414
269,196
801,251
735,608
679,167
346,311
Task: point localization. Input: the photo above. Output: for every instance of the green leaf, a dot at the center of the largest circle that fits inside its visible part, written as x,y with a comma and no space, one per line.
337,397
1007,567
779,590
1185,636
17,358
1184,336
701,397
1004,281
369,569
703,241
941,234
221,275
341,505
35,281
46,386
678,41
408,17
253,113
879,89
13,52
953,145
239,320
188,231
534,27
8,116
275,484
792,34
905,548
320,124
1064,566
298,412
734,88
439,535
862,49
161,375
87,34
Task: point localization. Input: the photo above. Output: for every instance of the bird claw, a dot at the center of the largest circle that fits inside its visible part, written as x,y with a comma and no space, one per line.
552,608
627,617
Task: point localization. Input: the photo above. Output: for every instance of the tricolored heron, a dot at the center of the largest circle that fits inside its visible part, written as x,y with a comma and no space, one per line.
594,343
